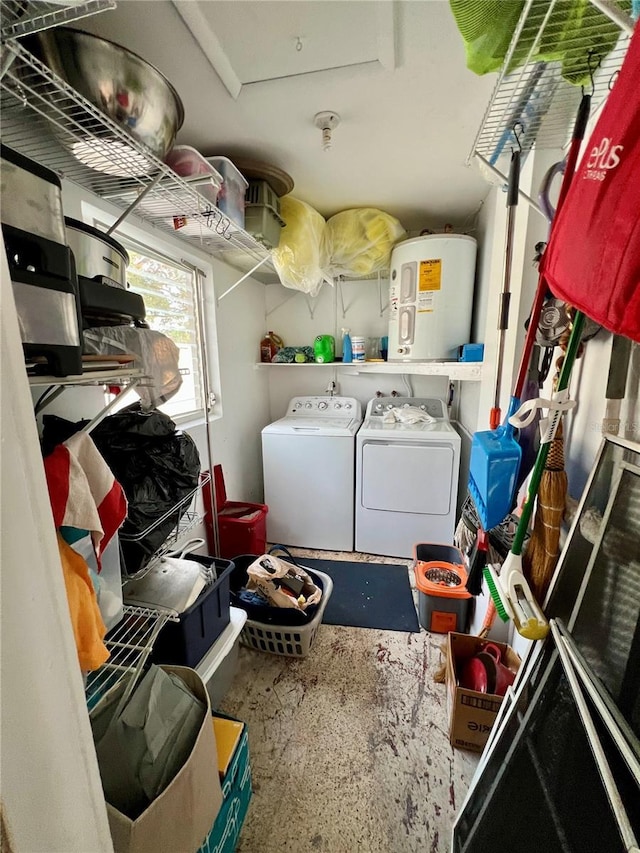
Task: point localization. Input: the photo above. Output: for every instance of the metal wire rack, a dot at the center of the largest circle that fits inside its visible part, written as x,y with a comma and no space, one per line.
49,122
533,88
20,18
187,516
129,643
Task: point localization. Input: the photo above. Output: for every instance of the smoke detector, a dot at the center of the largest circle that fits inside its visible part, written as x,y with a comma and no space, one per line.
327,122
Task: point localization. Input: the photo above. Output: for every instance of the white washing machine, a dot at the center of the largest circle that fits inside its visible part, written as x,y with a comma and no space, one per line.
308,460
406,478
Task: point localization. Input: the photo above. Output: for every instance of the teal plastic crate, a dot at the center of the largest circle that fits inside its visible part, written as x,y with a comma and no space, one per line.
236,794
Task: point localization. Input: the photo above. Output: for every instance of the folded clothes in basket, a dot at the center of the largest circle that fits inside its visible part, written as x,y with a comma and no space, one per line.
252,597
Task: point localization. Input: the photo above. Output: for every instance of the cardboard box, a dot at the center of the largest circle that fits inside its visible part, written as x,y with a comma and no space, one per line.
180,818
471,713
236,793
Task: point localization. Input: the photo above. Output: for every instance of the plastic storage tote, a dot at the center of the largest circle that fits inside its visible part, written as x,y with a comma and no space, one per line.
292,640
189,163
233,190
242,526
220,664
443,600
187,641
259,192
263,222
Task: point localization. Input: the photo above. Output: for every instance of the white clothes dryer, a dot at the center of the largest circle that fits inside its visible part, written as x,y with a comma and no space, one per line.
308,460
406,478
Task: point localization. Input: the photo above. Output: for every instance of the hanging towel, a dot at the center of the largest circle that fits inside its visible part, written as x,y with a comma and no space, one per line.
407,415
83,491
88,627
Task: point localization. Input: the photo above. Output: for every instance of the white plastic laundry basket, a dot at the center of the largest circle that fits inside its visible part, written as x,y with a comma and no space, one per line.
292,640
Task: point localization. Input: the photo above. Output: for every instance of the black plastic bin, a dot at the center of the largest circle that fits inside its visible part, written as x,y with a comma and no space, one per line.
186,642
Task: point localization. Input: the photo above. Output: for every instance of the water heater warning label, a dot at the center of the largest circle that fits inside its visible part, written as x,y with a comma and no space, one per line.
430,274
429,282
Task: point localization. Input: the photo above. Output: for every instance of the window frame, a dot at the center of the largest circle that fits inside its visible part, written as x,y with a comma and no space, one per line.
150,241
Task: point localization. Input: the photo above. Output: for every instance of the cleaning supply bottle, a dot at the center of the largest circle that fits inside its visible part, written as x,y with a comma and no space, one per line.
347,351
269,346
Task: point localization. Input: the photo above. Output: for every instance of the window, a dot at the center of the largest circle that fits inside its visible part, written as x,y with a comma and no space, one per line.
168,290
162,271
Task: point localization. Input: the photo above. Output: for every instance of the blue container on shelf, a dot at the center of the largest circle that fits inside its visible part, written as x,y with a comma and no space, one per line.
186,642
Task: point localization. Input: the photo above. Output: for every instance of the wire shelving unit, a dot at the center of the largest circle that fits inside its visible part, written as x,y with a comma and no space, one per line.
533,94
51,123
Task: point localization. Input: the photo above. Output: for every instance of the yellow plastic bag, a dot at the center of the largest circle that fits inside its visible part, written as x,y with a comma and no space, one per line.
358,242
297,257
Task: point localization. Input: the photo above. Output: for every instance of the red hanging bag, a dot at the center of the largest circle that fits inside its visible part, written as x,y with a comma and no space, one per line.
593,257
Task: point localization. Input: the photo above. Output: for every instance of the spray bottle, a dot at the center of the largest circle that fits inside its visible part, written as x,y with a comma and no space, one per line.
347,351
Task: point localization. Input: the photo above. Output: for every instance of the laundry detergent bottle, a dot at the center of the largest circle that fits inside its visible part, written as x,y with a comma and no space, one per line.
269,346
347,350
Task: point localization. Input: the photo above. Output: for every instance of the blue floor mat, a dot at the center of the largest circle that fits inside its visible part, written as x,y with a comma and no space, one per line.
368,595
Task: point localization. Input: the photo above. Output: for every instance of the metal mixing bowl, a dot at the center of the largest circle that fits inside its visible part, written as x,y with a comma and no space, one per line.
125,87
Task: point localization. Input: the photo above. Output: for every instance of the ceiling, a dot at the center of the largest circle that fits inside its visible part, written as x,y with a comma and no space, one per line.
393,71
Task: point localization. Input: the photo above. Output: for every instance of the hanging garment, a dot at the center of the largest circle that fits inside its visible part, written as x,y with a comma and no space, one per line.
487,27
88,628
83,491
593,257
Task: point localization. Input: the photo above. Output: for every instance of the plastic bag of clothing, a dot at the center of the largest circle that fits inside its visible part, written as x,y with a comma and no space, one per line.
297,257
156,354
358,242
156,465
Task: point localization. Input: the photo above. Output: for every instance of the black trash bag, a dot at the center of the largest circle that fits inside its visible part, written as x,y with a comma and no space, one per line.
156,465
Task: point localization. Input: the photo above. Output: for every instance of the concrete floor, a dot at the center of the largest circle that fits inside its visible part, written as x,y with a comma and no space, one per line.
349,747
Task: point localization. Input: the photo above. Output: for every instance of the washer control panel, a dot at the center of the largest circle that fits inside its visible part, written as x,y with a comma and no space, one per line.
431,405
325,407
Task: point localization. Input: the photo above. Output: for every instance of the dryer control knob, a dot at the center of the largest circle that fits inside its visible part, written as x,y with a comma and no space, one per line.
405,405
379,407
423,407
308,405
339,405
346,405
298,405
322,405
389,406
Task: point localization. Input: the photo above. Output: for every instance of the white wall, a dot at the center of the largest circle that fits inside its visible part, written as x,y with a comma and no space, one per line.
51,792
362,308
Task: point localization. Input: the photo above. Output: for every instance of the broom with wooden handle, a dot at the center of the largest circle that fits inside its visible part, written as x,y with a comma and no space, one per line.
541,556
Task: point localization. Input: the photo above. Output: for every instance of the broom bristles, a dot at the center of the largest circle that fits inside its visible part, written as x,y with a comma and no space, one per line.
543,549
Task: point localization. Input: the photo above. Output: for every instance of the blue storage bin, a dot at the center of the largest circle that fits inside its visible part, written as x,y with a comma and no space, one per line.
186,642
236,794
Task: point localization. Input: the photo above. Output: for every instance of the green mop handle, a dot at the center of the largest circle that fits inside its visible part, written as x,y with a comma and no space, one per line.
554,420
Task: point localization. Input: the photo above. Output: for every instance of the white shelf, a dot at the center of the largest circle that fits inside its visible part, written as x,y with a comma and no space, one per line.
454,370
534,93
21,19
129,643
43,118
93,377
